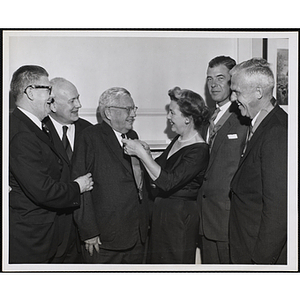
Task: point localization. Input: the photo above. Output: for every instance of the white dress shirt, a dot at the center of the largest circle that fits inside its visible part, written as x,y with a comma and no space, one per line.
119,137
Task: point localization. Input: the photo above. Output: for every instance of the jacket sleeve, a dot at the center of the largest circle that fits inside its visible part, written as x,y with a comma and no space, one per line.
34,168
83,158
191,164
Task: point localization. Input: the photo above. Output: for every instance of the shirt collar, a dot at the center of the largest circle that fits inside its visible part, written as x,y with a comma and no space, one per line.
261,115
225,106
59,126
119,138
32,117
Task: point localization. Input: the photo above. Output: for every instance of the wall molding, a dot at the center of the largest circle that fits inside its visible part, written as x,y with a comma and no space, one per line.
145,112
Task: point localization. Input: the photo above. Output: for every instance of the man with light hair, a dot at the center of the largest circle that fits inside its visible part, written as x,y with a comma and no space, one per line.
114,222
258,217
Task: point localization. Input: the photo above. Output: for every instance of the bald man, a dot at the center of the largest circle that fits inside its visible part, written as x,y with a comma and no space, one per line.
65,125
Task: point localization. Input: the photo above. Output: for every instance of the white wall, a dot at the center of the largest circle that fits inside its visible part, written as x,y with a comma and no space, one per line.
148,66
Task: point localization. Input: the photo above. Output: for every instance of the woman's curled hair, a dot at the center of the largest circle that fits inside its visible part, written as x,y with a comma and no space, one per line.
192,105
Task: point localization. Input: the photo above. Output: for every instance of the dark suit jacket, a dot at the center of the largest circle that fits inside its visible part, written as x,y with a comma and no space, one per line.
214,196
258,218
112,209
37,192
67,229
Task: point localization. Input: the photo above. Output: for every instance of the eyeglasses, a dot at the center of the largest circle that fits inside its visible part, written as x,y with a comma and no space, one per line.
129,109
49,88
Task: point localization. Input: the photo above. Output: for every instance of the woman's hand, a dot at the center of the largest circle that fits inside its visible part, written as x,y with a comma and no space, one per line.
134,147
142,151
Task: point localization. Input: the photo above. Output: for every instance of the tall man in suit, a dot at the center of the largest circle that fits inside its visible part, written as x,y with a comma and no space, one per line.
65,125
35,172
113,222
226,136
258,217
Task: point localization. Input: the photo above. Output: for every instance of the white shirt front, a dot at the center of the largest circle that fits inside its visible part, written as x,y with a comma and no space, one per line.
119,137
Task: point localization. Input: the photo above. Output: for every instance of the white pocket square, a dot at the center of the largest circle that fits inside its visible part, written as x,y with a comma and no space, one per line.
232,136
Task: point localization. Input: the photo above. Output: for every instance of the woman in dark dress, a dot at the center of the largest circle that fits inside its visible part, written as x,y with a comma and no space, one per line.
178,174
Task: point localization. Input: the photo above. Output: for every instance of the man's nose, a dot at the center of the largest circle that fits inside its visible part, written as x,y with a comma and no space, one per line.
77,103
132,113
213,82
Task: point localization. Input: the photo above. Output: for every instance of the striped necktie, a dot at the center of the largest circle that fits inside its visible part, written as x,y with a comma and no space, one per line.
212,126
137,172
249,136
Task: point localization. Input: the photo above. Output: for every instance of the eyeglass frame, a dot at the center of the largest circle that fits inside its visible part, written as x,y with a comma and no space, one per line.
129,109
49,87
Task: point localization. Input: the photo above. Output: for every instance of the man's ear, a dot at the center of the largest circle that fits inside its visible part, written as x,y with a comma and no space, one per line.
53,106
29,93
107,113
259,92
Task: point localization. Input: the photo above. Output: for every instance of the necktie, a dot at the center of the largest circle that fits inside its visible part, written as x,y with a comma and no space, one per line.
66,142
249,135
212,127
46,131
137,172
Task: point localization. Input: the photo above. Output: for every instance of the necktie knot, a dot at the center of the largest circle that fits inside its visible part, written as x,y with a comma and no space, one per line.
65,129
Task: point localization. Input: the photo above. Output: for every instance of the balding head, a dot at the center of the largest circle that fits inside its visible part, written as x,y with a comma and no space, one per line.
66,101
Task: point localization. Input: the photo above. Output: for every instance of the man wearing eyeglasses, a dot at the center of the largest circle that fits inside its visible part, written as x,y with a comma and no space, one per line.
65,125
38,193
113,223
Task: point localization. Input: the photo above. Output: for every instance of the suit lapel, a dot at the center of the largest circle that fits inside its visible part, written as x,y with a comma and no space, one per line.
258,132
56,140
112,143
34,128
220,138
78,128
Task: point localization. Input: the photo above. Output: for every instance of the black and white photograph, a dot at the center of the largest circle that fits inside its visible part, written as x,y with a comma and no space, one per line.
150,150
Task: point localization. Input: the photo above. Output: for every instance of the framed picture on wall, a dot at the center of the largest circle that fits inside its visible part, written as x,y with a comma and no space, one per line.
278,57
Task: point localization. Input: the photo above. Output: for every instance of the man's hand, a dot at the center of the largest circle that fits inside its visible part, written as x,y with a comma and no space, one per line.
91,243
85,182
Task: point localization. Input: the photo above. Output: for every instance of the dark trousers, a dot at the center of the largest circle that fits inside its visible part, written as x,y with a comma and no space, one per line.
72,254
134,255
214,252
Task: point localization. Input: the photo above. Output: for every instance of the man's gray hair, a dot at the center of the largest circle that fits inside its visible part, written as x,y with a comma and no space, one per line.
257,70
110,98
